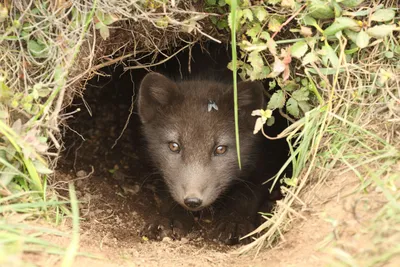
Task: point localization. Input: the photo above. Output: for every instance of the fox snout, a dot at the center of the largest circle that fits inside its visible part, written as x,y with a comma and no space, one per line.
194,187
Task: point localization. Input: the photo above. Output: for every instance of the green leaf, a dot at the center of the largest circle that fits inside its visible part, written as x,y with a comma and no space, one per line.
299,49
325,71
301,95
271,85
104,32
351,3
271,121
260,13
211,2
265,36
329,55
362,39
304,106
37,50
340,24
254,31
259,71
109,19
5,91
352,50
381,31
352,35
292,107
358,13
309,21
337,9
383,15
255,60
248,46
221,3
310,58
222,24
247,14
164,21
290,86
321,9
397,49
41,168
389,54
274,25
277,100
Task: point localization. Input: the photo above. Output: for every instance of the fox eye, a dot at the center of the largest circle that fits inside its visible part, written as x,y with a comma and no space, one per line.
219,150
174,147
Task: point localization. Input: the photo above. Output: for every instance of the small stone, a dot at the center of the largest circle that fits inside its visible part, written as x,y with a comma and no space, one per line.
98,211
81,174
132,190
167,239
184,240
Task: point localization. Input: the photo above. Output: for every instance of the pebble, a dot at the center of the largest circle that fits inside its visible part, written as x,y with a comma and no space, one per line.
81,173
167,239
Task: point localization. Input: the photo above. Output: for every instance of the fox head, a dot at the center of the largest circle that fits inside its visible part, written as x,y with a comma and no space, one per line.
190,131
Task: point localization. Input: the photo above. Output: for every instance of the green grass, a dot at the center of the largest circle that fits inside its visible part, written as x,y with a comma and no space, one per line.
20,235
233,25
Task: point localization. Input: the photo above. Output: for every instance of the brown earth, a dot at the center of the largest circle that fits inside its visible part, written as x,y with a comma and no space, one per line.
109,233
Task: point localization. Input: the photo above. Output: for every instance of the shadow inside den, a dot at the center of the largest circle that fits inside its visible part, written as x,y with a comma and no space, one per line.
106,152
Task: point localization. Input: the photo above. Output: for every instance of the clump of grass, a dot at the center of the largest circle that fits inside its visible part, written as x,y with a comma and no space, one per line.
21,232
355,129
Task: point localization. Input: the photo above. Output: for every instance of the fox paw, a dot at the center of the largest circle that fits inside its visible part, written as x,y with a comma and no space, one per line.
231,233
163,227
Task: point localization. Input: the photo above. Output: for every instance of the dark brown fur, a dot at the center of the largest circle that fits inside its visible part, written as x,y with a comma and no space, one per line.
178,112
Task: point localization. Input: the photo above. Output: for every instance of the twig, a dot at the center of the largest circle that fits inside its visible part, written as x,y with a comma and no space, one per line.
288,20
128,119
283,114
159,62
110,62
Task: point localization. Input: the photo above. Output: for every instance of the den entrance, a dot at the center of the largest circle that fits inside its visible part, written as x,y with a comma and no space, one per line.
105,151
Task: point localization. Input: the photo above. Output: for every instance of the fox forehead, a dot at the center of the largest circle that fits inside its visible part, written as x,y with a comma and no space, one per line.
196,128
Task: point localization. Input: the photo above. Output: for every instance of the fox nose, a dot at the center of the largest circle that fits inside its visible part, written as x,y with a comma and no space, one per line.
192,202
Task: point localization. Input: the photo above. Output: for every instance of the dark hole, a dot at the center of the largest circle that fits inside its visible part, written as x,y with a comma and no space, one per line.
121,193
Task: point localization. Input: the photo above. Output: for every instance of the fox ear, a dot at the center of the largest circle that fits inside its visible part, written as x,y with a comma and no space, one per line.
250,96
155,91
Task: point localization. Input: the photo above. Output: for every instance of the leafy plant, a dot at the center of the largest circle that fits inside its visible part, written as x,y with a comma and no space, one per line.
315,54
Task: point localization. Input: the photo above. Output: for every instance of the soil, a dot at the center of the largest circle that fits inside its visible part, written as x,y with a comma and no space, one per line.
109,233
